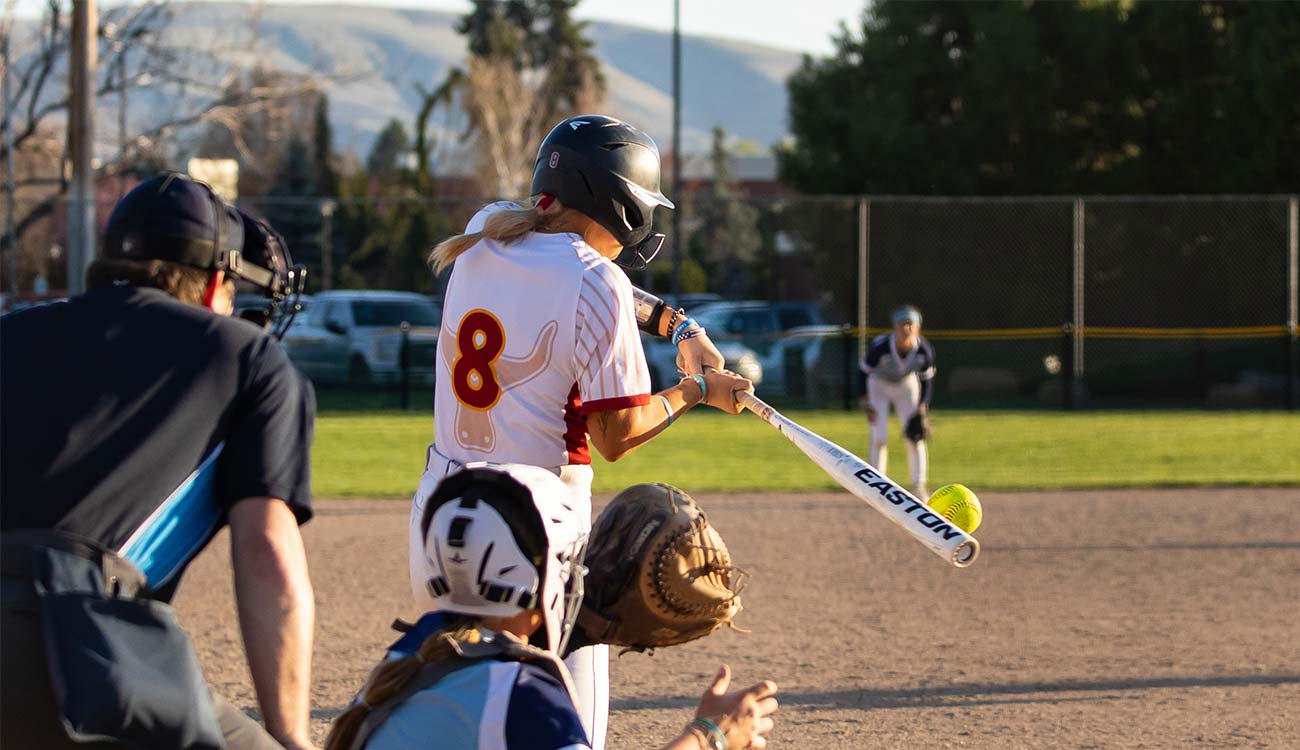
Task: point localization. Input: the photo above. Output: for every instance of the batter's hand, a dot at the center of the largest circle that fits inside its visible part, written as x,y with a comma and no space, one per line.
871,415
744,716
723,387
696,355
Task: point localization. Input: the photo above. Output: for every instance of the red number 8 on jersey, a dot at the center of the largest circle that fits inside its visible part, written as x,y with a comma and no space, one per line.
479,343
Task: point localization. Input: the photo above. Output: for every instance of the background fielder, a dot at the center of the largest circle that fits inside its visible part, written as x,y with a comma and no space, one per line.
899,367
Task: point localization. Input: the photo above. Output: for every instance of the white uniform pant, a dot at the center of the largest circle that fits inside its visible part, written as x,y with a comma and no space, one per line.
588,666
905,397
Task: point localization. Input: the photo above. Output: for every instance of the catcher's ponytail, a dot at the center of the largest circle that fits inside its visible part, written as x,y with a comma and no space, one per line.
389,677
541,213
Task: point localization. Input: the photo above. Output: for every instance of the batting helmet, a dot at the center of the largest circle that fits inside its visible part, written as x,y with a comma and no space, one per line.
609,171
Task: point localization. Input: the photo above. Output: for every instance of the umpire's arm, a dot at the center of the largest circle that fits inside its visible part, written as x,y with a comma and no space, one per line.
266,479
276,613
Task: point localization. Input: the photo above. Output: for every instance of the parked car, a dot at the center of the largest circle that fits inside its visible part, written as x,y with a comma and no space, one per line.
661,358
355,337
808,363
691,301
757,324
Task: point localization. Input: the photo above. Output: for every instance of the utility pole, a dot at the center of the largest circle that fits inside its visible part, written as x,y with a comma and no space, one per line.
81,142
327,208
678,249
11,270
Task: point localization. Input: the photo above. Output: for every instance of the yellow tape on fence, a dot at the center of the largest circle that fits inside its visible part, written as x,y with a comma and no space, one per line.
1093,332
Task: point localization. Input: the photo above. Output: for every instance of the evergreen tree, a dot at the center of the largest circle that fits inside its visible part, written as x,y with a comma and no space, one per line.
728,241
293,208
563,48
385,155
1051,97
327,179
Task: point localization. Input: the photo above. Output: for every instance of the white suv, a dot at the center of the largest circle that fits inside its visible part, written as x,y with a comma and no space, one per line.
355,337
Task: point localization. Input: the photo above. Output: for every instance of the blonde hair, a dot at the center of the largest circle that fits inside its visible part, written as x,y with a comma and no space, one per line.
507,225
390,677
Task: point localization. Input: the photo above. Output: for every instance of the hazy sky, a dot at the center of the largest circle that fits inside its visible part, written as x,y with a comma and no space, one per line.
805,25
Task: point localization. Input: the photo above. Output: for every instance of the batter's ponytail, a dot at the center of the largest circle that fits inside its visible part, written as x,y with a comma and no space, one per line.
389,677
541,212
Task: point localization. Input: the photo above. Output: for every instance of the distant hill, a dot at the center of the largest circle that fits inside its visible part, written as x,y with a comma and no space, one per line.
737,85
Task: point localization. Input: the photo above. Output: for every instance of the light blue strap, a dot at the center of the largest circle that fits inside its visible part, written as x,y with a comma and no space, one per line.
667,408
704,387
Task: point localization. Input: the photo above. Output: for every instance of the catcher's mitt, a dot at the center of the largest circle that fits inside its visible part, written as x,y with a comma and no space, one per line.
918,427
659,573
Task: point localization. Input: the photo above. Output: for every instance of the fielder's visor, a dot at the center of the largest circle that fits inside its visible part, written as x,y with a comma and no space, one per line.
907,315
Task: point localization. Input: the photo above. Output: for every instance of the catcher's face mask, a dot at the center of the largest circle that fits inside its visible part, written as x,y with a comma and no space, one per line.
571,573
273,273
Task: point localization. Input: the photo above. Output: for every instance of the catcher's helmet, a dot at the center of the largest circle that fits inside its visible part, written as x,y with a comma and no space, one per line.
265,248
500,539
609,171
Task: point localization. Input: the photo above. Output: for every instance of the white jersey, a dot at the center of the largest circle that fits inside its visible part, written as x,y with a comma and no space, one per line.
536,335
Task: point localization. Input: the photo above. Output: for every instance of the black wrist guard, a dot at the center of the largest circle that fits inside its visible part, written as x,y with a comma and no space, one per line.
652,313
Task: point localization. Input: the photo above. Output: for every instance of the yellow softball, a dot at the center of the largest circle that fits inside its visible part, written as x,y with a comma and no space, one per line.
959,505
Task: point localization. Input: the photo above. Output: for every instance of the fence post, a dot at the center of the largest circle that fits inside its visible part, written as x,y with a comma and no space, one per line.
1076,349
847,368
1293,302
404,361
1067,367
864,278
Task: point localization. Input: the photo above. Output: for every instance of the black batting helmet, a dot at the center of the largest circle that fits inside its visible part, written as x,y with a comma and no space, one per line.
609,171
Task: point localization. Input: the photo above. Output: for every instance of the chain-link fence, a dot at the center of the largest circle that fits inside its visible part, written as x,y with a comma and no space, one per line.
1061,301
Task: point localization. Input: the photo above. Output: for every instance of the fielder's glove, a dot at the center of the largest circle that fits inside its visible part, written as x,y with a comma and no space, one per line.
918,427
659,573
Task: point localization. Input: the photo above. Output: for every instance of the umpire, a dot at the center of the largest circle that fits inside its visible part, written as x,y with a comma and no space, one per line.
138,419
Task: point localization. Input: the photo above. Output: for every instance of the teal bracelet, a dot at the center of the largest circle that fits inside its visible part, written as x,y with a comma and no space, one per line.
717,739
704,387
668,408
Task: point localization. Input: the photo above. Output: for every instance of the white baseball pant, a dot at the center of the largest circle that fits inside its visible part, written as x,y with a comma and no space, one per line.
904,396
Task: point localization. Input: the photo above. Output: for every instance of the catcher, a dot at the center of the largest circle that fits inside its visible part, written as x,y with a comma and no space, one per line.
505,552
899,367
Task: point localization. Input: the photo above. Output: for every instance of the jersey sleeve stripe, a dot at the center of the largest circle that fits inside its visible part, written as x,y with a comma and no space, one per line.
600,305
614,404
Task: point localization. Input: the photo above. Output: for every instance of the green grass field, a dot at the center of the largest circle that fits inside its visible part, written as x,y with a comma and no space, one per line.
381,454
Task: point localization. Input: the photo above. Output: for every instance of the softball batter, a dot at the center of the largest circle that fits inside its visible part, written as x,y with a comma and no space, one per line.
900,372
539,350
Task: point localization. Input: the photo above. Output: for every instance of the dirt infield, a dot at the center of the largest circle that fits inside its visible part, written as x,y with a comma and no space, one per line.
1153,619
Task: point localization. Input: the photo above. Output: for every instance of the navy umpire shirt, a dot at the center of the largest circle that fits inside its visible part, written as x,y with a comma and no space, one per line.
136,420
